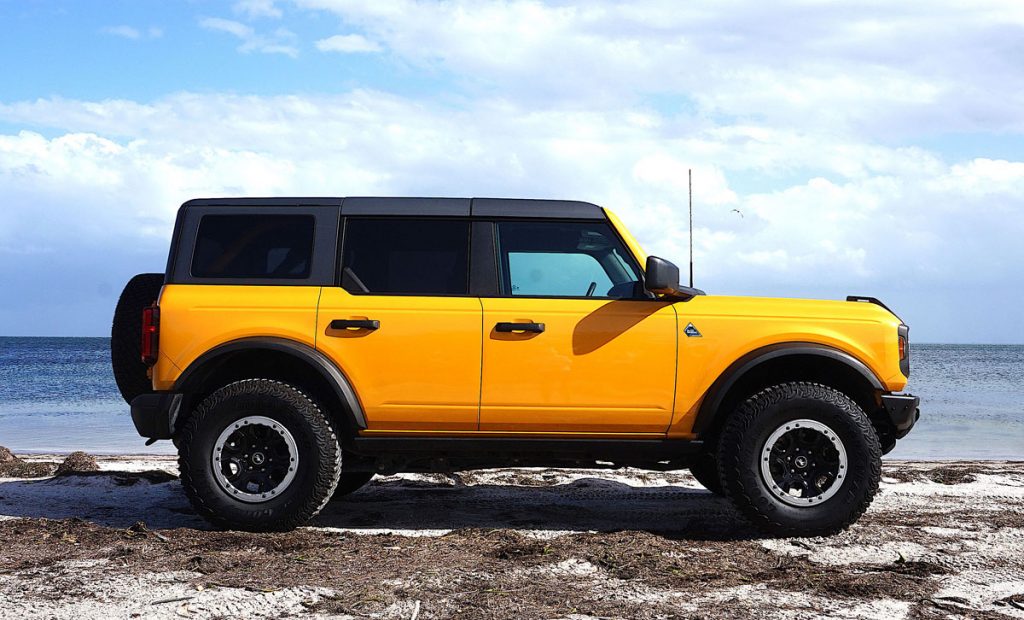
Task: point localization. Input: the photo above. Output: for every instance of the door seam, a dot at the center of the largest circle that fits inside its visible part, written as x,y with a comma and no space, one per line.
480,394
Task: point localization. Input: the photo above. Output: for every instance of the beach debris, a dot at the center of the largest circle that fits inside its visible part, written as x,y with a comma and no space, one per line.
11,466
77,462
153,476
1015,600
173,599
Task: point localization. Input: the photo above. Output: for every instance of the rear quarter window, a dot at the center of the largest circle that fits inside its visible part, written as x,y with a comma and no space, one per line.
254,246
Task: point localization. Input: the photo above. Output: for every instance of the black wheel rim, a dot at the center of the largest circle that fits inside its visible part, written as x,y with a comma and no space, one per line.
254,459
803,462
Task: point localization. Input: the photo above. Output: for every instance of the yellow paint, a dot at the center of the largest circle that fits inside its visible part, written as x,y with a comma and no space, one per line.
601,368
420,369
627,237
195,318
731,327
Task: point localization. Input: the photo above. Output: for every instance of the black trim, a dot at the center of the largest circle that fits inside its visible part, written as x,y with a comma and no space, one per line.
720,388
423,206
409,207
483,260
507,328
871,300
192,377
903,410
155,415
406,454
341,324
275,201
537,209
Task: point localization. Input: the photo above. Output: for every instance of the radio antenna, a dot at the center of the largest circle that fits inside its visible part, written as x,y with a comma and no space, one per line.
690,175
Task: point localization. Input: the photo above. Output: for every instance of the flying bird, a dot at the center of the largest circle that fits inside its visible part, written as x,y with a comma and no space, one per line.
737,211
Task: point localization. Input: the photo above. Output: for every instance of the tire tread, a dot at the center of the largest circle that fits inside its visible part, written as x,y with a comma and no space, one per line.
326,474
738,425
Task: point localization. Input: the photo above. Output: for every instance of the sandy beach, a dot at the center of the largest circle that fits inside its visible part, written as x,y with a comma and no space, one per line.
942,539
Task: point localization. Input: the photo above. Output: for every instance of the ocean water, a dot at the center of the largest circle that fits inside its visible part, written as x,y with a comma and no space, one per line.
58,395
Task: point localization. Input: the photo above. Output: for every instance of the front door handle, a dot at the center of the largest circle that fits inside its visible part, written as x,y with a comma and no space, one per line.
536,328
355,324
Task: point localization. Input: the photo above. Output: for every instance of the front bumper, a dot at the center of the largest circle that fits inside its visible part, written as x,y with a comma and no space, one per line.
903,410
155,414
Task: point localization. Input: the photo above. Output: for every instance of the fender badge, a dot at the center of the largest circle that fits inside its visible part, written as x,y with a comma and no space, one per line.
691,331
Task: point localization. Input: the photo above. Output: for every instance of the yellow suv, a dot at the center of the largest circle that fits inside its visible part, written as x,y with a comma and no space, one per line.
297,346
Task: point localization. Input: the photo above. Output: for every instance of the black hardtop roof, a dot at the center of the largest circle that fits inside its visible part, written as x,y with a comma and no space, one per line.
450,207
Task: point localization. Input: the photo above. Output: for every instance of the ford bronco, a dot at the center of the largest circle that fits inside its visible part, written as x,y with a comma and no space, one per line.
295,347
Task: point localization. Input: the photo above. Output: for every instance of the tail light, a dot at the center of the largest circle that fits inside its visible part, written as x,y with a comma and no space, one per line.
903,348
150,334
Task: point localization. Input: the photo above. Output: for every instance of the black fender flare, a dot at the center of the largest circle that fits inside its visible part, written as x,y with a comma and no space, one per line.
720,388
189,379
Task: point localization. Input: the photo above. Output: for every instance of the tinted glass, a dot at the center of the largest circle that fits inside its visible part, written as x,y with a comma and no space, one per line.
564,259
406,256
254,246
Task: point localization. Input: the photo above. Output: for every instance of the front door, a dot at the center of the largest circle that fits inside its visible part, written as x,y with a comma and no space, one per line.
572,345
402,326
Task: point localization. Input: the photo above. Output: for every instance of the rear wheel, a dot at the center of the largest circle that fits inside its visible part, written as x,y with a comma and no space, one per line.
800,459
258,455
130,373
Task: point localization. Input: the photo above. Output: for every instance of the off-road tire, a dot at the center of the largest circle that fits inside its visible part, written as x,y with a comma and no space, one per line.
350,482
746,432
705,470
319,462
126,335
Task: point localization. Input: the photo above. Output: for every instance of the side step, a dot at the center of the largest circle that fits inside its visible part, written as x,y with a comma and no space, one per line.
440,454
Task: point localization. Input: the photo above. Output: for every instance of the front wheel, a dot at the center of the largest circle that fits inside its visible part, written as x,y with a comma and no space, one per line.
258,455
800,459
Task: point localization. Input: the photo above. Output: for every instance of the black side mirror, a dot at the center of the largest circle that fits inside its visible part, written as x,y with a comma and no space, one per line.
662,278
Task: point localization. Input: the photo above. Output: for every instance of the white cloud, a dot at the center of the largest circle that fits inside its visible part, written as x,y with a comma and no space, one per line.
126,32
257,8
809,177
229,26
251,40
848,228
347,43
130,32
881,69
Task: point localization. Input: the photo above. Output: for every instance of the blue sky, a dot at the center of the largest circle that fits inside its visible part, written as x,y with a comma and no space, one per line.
837,148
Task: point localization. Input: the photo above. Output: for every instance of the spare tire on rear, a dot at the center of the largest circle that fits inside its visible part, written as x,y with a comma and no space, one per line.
126,334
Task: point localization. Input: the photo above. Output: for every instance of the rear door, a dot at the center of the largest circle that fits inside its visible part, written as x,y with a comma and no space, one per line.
571,344
402,325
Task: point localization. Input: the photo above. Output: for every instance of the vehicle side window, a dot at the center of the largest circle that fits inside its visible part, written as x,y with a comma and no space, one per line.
406,256
565,259
254,246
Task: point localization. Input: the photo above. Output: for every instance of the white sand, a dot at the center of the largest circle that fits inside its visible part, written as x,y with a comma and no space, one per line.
984,561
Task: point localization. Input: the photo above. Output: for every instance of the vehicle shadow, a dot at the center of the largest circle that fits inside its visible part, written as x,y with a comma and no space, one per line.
407,506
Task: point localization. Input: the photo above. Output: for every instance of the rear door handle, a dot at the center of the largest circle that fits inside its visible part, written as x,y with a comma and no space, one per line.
536,328
355,324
